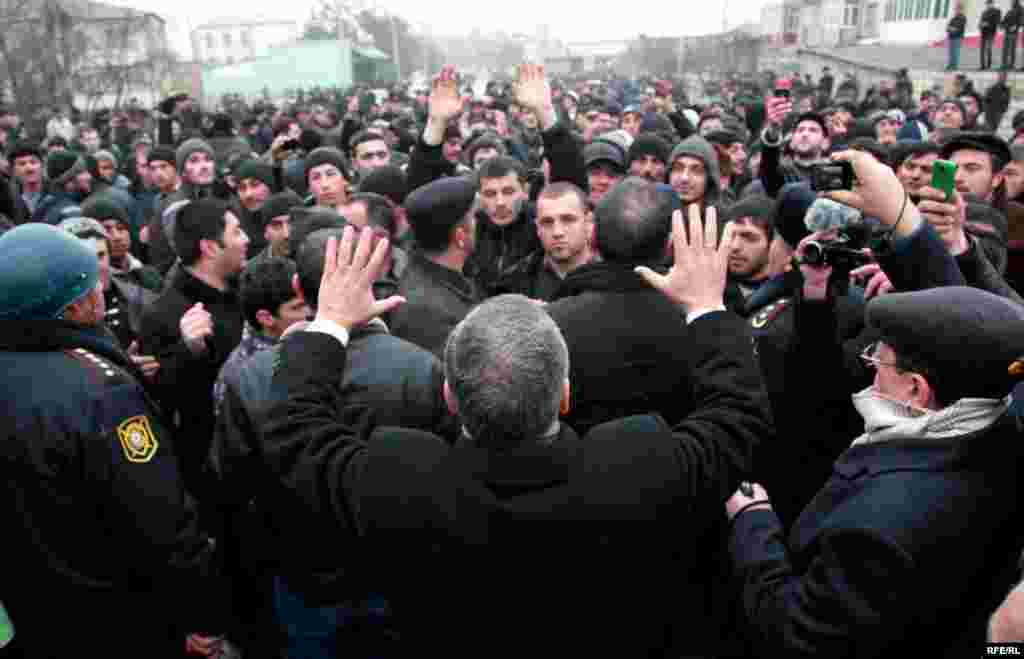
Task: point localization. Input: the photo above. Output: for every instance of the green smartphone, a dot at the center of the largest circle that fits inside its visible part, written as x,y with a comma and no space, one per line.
943,176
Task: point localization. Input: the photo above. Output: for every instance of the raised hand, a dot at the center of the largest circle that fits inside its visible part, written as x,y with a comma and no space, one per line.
346,289
697,279
947,217
445,103
533,92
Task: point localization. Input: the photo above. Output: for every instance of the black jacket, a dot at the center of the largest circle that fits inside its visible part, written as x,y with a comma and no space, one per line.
531,277
185,381
625,351
437,298
98,528
498,248
957,26
450,531
1013,18
989,21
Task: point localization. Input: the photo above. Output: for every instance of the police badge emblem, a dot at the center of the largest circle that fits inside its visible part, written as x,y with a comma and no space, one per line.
137,439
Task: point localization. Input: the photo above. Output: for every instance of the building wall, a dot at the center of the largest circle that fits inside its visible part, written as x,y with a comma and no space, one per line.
227,44
916,21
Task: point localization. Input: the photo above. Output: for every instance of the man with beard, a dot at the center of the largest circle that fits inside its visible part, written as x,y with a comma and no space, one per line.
195,163
276,228
694,173
70,183
565,226
974,105
648,157
753,233
809,144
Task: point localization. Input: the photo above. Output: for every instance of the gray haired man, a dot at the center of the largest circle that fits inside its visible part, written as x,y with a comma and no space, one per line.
519,522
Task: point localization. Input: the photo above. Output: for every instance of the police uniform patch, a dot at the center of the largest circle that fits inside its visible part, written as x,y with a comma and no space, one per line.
769,313
137,439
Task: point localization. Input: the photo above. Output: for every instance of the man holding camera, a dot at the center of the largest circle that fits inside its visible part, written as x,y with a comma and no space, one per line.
809,143
931,476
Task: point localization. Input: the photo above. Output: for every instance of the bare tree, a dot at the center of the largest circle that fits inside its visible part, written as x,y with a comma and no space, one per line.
51,50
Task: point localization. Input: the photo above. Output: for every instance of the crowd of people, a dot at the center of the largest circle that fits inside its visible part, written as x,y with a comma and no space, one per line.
564,368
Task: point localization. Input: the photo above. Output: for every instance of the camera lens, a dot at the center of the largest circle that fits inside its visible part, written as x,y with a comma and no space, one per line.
814,253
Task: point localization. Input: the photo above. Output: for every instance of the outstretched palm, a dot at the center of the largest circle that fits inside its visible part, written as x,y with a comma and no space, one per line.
445,102
532,89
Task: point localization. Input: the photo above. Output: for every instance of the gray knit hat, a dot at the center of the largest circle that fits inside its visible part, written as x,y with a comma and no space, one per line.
190,146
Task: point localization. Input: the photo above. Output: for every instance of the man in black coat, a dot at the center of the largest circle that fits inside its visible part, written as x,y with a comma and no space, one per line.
506,231
625,353
443,214
604,511
193,327
988,24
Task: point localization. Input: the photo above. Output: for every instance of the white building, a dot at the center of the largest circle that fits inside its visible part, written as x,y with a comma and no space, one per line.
230,40
821,24
918,21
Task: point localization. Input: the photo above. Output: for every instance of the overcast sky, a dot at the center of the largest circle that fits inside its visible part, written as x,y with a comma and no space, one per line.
569,21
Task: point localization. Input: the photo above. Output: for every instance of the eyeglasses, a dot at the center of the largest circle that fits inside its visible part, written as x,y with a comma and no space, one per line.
868,356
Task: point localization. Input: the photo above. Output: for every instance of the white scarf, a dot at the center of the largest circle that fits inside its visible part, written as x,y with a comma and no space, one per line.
886,419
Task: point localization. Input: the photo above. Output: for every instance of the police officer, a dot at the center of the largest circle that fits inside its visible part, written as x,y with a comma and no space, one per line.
101,533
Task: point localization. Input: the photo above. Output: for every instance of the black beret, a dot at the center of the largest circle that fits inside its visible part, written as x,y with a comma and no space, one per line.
303,221
790,208
435,208
979,141
968,337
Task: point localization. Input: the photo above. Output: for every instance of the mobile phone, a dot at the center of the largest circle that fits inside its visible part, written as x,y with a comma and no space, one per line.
944,176
832,176
291,145
783,88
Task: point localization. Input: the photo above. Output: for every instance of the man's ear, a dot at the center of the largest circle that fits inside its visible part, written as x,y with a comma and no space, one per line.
564,406
208,248
449,399
922,395
297,288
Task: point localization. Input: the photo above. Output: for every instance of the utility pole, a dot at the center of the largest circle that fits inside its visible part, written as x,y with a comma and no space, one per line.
394,47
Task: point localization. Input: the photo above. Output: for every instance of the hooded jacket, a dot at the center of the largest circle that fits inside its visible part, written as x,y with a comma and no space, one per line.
698,147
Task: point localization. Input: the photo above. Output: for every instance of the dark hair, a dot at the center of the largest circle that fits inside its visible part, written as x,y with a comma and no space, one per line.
362,137
309,263
198,221
562,188
903,151
500,166
380,211
758,210
634,221
265,284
